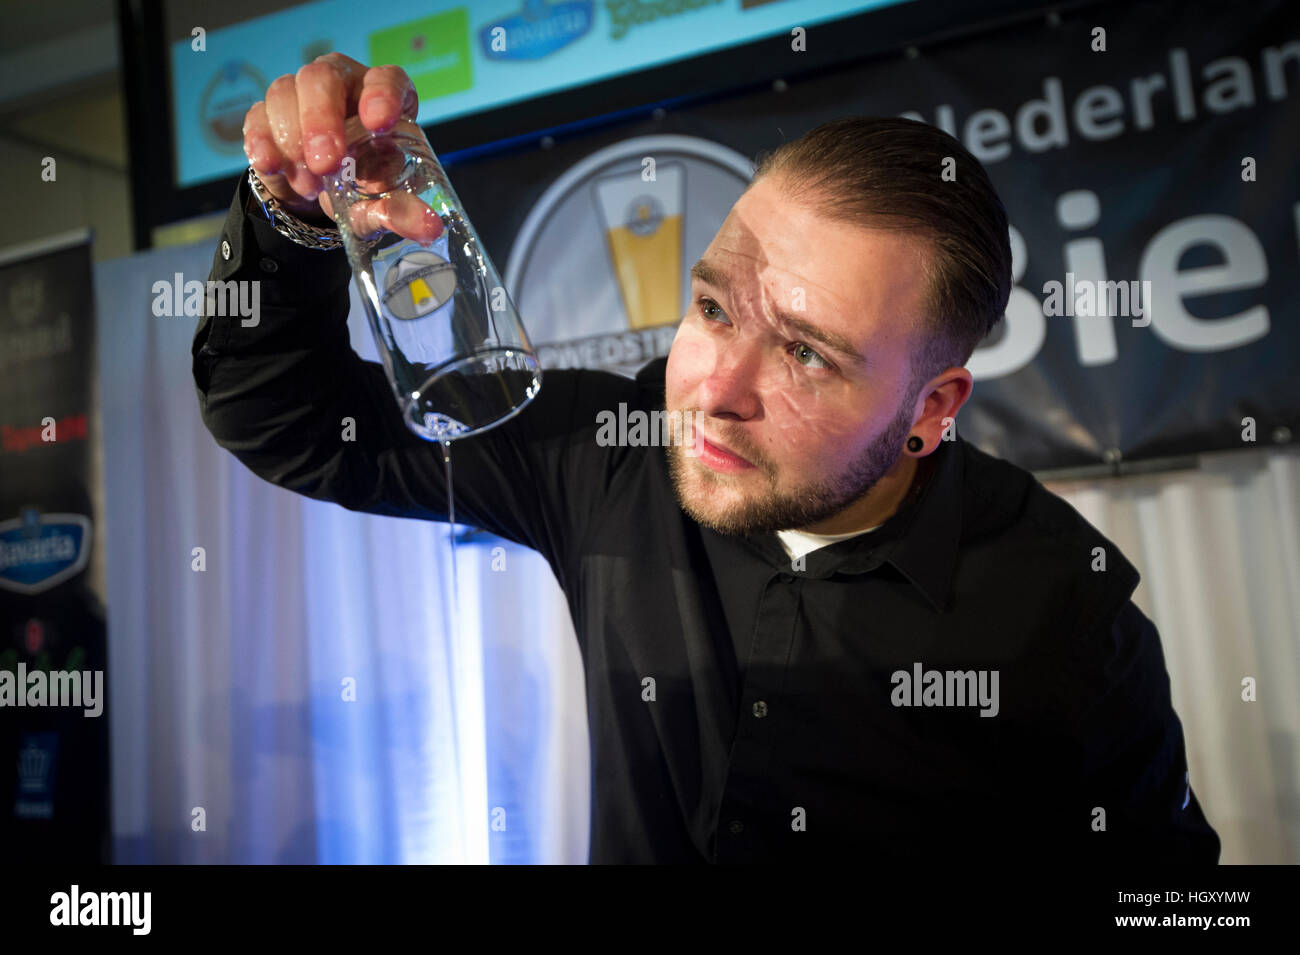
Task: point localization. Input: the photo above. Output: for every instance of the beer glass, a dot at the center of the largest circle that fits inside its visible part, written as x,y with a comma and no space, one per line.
451,341
643,228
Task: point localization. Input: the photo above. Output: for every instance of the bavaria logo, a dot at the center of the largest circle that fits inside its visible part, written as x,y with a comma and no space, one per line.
38,551
538,30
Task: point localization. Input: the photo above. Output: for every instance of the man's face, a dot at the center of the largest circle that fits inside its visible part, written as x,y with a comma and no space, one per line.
816,426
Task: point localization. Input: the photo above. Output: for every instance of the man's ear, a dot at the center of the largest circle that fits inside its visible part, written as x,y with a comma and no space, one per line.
937,405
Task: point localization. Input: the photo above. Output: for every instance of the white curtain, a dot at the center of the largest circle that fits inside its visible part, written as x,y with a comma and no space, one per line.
226,685
1218,548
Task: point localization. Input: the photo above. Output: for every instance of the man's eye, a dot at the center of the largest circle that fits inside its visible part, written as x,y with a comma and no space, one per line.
801,350
804,355
707,303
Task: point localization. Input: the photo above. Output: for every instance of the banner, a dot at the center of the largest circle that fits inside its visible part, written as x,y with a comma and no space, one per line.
462,58
54,799
1150,166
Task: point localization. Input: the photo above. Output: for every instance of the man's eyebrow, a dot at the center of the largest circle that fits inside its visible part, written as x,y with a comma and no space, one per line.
711,275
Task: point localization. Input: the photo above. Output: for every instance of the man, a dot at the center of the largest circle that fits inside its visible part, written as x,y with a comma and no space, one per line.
829,628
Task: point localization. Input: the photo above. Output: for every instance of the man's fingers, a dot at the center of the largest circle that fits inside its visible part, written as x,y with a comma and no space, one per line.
282,118
259,145
410,217
351,73
402,213
298,134
387,95
322,99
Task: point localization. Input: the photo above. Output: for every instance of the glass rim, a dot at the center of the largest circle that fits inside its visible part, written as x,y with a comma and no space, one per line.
356,134
533,364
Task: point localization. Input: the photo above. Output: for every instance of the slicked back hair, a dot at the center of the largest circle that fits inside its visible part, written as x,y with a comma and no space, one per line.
886,173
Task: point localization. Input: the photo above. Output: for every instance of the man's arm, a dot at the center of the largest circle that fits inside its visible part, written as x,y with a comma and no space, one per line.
291,400
1132,762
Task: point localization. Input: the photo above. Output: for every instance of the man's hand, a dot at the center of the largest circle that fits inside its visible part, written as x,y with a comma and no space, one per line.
296,135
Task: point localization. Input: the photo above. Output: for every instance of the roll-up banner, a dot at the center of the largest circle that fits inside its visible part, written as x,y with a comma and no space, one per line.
54,769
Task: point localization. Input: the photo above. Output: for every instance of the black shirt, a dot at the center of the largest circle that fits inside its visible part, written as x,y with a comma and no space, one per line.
744,707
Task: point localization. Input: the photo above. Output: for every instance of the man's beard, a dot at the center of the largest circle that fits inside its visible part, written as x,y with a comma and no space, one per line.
798,507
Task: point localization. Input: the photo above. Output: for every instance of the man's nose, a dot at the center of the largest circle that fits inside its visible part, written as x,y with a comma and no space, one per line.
732,386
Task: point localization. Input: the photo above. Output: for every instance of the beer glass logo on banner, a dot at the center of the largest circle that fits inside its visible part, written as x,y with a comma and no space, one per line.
616,228
643,228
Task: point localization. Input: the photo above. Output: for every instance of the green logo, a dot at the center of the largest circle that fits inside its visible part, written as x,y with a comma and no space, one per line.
434,51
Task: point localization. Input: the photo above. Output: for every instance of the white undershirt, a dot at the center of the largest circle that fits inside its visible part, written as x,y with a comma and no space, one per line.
798,543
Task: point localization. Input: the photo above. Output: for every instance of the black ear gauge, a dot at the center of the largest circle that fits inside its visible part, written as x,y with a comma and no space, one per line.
915,443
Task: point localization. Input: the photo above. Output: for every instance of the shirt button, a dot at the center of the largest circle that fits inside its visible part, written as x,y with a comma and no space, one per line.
787,578
736,826
269,265
225,250
760,709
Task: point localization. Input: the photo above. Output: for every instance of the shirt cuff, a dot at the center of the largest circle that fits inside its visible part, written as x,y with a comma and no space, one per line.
291,278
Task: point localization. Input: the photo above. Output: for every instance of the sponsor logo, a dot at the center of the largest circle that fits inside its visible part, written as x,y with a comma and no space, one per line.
234,88
39,551
616,226
37,756
629,13
18,438
434,51
32,334
538,30
643,231
27,297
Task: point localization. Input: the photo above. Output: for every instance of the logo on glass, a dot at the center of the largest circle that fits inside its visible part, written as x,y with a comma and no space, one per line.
644,216
418,283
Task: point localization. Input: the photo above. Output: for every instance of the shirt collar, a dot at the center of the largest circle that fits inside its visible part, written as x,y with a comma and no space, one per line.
919,540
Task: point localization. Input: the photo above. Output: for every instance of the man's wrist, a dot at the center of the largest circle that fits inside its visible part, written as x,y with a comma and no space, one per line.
316,216
315,233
